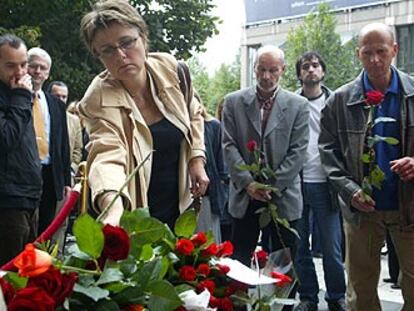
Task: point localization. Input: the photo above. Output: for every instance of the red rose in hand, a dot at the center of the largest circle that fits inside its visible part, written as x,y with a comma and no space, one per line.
211,250
226,304
187,273
374,98
184,246
57,285
251,145
283,278
8,290
32,261
223,269
117,243
199,238
262,257
31,298
206,284
203,269
225,249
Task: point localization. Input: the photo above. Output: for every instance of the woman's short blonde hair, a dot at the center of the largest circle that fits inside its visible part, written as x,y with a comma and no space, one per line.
108,12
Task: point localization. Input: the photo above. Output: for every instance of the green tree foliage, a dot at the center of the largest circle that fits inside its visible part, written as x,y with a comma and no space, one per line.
317,33
177,26
226,79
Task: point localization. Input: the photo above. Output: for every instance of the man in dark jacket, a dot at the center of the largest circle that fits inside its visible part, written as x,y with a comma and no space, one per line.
20,175
343,141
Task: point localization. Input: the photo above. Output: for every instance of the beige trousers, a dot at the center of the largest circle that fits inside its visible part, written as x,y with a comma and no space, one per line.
363,262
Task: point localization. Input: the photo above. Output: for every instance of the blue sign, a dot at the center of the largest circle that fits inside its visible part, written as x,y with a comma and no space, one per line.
266,10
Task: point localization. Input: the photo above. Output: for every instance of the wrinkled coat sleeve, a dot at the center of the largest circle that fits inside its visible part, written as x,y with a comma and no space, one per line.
331,153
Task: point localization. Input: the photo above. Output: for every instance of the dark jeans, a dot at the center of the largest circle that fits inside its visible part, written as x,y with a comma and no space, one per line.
317,200
48,201
246,233
17,228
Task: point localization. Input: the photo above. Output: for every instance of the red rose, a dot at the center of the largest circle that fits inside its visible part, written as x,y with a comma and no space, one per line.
223,269
228,291
211,250
117,243
199,238
251,145
184,247
8,290
262,257
374,98
134,308
57,285
203,269
206,284
225,249
31,298
187,273
181,308
226,304
214,302
282,278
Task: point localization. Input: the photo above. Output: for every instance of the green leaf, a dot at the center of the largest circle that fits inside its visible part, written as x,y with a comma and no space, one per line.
165,264
146,252
131,295
148,230
109,276
150,271
366,158
94,292
74,251
129,220
107,305
391,140
264,218
14,279
186,224
163,296
377,176
183,288
89,235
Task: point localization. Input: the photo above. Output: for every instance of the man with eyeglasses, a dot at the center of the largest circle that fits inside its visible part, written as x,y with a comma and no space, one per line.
52,138
318,201
278,121
20,179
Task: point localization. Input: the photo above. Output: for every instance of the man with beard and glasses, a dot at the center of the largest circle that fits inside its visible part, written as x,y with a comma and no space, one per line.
278,121
318,200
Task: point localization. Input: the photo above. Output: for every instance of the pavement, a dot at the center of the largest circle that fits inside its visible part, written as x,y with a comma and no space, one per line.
391,299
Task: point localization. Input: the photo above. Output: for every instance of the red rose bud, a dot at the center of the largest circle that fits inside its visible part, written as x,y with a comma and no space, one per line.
117,243
226,304
211,250
32,261
206,284
199,238
225,249
214,302
134,308
262,257
374,98
187,273
251,145
223,269
56,284
283,278
184,246
203,269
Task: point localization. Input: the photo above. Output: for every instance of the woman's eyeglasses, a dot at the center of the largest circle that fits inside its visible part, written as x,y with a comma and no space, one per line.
124,44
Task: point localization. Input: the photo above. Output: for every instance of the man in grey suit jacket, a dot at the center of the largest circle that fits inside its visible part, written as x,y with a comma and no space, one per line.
278,121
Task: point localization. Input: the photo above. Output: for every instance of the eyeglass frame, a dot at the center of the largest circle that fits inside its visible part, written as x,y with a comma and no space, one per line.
120,45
